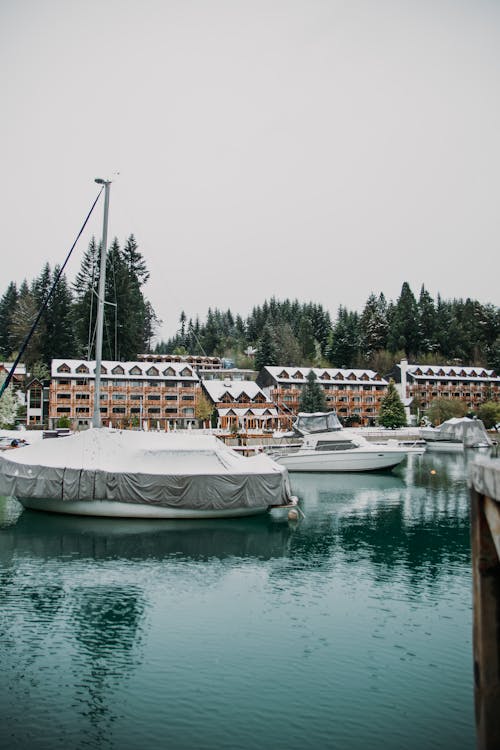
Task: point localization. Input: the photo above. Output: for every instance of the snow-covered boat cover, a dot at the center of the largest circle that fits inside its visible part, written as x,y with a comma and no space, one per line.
166,469
470,432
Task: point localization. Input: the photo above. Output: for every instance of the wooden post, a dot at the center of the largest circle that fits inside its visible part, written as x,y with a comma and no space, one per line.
485,542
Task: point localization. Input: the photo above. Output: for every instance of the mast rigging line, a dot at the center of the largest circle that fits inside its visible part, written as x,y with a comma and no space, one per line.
25,343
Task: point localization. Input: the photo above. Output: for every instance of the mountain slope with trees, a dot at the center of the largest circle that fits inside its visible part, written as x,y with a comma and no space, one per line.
289,332
285,332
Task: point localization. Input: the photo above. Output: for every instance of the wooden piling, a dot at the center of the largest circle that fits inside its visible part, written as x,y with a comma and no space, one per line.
484,482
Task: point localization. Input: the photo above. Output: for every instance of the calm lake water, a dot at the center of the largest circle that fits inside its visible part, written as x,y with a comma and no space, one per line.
350,629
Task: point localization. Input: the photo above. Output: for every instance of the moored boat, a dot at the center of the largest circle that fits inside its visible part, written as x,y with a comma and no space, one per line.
105,472
456,434
327,447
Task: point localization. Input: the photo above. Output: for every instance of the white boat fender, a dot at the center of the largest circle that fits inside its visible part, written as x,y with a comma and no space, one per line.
296,510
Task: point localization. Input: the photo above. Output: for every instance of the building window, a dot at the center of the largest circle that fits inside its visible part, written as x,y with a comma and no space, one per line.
153,410
154,397
63,395
35,397
189,398
63,409
118,410
82,410
82,396
119,397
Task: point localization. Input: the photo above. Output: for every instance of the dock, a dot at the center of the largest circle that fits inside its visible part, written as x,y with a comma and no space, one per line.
484,483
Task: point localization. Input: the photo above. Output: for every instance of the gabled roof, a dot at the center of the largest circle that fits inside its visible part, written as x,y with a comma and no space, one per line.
7,367
250,411
450,372
136,370
216,389
330,374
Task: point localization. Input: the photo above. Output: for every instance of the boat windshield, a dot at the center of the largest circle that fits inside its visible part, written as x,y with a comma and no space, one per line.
335,445
307,424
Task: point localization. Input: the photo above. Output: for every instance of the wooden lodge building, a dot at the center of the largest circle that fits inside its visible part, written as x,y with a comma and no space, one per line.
159,394
472,385
355,395
241,404
162,391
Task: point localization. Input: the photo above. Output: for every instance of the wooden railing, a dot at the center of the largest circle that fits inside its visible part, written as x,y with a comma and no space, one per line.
485,542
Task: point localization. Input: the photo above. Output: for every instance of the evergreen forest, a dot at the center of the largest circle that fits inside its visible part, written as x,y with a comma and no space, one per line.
277,332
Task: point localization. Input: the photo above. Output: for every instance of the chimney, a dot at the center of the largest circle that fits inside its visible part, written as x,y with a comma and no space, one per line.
404,369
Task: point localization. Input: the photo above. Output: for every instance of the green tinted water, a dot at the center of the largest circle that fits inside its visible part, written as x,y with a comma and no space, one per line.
351,629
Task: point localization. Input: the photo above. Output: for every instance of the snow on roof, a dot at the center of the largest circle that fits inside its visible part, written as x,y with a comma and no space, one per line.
251,410
126,370
7,366
217,388
323,374
452,372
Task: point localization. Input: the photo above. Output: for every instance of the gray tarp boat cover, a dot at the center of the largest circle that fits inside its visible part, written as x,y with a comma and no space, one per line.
166,469
470,432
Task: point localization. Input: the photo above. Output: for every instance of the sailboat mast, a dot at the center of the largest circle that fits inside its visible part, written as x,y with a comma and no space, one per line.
96,419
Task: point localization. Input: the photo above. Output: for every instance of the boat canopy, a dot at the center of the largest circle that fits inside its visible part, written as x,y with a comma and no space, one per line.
308,423
470,432
165,469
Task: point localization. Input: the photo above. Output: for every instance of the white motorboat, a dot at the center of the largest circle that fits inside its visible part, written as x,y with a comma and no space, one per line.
327,447
105,472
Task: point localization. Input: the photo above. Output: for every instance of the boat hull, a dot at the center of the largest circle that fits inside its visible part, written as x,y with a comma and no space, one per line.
332,461
117,509
447,446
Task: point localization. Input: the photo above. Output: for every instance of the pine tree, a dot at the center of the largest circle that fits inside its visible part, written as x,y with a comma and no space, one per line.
404,328
306,340
427,321
286,346
392,411
135,262
373,327
8,405
60,336
343,345
266,353
7,311
85,288
24,316
312,398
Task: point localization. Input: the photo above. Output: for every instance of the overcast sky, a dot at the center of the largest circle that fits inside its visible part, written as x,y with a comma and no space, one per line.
311,149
